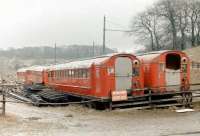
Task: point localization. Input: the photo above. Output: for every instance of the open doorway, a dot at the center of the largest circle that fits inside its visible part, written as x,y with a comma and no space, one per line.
173,61
172,73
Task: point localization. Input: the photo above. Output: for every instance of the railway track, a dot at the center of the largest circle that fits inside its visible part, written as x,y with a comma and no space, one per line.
49,97
159,103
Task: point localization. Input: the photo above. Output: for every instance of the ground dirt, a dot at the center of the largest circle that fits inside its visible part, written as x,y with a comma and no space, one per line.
27,120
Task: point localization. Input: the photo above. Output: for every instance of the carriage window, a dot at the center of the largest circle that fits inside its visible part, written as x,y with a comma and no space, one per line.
72,73
98,72
49,74
54,74
162,67
173,61
184,68
88,73
109,71
135,71
59,74
76,73
69,73
66,73
63,73
80,74
84,73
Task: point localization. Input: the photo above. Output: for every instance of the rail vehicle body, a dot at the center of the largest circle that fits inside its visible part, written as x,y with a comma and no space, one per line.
21,74
31,75
112,77
117,79
166,71
107,77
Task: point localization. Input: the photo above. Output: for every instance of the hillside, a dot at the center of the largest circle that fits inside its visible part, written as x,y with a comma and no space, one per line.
13,59
194,53
62,52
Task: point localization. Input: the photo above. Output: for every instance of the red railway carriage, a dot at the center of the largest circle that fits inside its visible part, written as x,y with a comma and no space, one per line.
166,70
101,77
21,74
31,75
35,75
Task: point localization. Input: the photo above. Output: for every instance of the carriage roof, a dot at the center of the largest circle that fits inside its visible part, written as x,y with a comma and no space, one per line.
32,68
149,56
84,63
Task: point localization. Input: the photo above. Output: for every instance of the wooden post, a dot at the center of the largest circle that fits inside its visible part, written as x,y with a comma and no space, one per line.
3,103
150,98
110,106
104,35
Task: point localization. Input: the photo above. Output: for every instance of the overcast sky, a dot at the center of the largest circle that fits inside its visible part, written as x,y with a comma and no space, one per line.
42,22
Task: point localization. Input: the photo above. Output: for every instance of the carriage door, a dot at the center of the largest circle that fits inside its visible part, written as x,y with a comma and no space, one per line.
173,79
123,73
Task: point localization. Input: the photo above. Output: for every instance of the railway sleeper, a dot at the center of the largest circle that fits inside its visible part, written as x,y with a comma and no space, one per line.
151,101
46,95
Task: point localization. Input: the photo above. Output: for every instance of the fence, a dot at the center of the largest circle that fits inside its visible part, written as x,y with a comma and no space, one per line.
4,89
3,106
195,65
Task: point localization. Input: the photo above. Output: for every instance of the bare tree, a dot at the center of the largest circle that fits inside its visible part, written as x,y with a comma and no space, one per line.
167,10
155,27
182,14
198,31
169,24
142,25
194,12
197,3
145,25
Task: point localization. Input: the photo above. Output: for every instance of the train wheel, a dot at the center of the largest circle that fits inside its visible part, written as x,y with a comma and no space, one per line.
189,99
184,100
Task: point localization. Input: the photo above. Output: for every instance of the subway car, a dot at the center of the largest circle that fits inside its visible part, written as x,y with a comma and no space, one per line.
121,79
31,75
166,71
115,77
21,75
110,78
